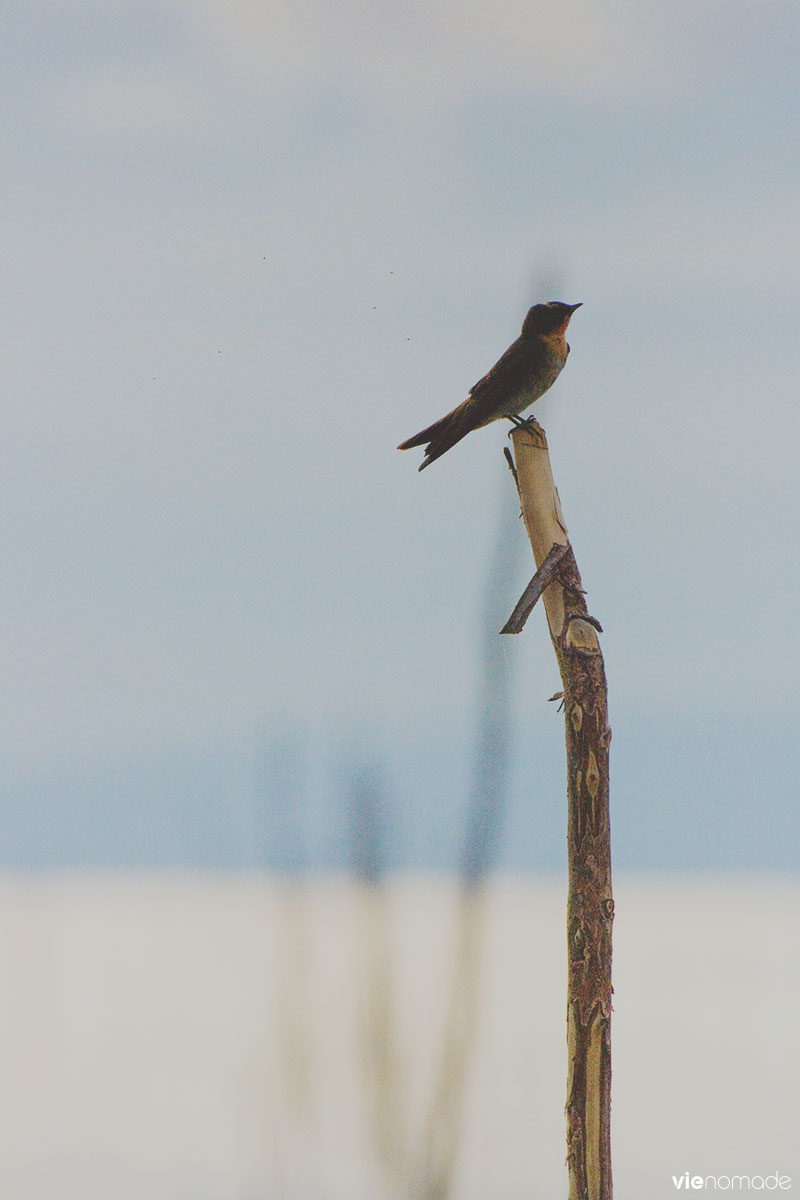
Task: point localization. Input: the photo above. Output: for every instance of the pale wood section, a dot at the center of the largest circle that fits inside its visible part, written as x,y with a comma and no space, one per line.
541,511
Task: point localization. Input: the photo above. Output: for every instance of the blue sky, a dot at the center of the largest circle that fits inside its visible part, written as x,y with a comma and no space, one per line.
250,248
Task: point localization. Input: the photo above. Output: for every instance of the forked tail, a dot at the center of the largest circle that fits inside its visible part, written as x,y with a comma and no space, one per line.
441,436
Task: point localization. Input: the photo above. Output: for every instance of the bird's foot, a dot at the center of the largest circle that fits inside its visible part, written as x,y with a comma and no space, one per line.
529,423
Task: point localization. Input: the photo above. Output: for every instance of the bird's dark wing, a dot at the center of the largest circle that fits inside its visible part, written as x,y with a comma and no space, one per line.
507,375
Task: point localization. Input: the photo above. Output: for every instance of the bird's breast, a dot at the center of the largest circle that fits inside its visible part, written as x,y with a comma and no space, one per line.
556,344
548,368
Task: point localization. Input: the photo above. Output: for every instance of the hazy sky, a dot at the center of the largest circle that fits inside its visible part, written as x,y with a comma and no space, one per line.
250,247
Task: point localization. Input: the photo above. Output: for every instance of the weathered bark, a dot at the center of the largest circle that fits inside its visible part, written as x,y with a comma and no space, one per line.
590,907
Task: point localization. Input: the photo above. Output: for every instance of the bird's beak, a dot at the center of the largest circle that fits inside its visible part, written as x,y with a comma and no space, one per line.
572,307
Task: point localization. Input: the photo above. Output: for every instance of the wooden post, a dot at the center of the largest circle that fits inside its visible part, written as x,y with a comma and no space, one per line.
590,907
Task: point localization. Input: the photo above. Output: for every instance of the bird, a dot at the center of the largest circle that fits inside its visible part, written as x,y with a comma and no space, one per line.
528,368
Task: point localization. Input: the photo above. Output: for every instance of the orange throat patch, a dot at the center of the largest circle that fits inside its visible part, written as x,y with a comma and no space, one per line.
556,341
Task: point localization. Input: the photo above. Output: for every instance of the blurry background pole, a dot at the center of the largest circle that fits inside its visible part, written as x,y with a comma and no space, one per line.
485,819
590,907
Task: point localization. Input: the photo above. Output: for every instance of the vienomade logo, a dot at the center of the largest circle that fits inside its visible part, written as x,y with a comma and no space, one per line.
732,1183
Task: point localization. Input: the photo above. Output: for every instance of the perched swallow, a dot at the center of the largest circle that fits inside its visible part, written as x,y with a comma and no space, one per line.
527,369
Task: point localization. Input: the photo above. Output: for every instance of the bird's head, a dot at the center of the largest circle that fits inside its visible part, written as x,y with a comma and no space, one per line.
553,317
